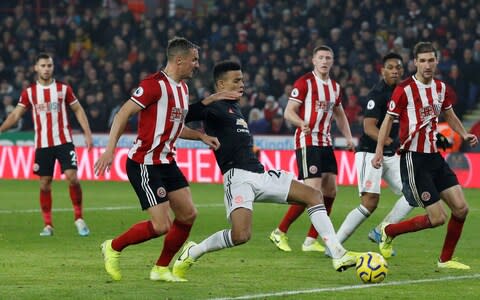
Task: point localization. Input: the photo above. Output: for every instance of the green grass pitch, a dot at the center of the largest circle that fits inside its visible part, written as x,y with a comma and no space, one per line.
67,266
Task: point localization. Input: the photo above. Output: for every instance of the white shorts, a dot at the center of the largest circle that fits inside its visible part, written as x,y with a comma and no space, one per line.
242,188
369,178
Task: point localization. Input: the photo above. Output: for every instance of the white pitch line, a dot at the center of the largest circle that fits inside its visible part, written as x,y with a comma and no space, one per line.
108,208
350,287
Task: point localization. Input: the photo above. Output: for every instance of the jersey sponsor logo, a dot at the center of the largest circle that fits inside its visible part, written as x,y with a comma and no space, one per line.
161,192
138,92
178,114
46,107
324,106
426,112
426,196
294,93
370,104
243,124
313,169
368,184
391,105
238,199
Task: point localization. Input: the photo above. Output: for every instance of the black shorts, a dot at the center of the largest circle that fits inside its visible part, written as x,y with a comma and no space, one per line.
424,177
312,161
45,159
152,183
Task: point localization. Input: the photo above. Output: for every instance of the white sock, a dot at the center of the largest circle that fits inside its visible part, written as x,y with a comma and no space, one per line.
351,222
323,225
217,241
399,211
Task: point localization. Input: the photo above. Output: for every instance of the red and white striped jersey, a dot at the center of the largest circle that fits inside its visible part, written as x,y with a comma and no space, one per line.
160,122
49,112
418,105
317,99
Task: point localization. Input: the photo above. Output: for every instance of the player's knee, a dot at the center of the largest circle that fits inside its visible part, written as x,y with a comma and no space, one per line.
370,202
461,212
188,217
161,228
438,220
241,237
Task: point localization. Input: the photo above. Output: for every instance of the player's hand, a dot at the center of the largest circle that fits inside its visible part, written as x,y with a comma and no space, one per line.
350,145
388,141
103,163
211,141
224,95
305,129
89,142
377,160
471,139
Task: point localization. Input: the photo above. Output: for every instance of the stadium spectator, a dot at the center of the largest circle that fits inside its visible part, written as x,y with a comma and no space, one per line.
360,30
48,100
315,101
426,177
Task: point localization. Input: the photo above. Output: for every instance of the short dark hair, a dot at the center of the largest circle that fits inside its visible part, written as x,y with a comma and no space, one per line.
223,67
423,47
392,55
179,45
42,55
322,47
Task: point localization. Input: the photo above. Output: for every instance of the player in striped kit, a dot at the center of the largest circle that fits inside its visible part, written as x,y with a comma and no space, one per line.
48,99
161,101
314,102
417,102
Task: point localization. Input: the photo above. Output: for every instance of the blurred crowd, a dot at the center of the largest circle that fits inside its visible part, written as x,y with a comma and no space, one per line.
102,49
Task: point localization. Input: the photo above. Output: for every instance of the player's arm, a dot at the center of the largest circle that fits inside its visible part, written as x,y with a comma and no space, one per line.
343,126
383,134
291,115
224,95
370,128
118,127
83,121
191,134
457,126
13,117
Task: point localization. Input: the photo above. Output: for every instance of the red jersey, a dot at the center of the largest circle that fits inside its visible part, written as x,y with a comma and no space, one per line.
317,99
164,104
49,112
418,105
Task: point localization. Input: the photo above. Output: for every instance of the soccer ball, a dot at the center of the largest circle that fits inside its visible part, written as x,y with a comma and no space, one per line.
371,267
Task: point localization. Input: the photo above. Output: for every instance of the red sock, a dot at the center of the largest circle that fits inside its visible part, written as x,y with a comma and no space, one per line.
138,233
176,236
411,225
46,206
76,196
294,211
328,203
312,232
454,230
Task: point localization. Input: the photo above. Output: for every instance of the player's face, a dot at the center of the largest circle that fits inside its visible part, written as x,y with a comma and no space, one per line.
426,64
44,69
231,81
322,61
392,71
189,64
